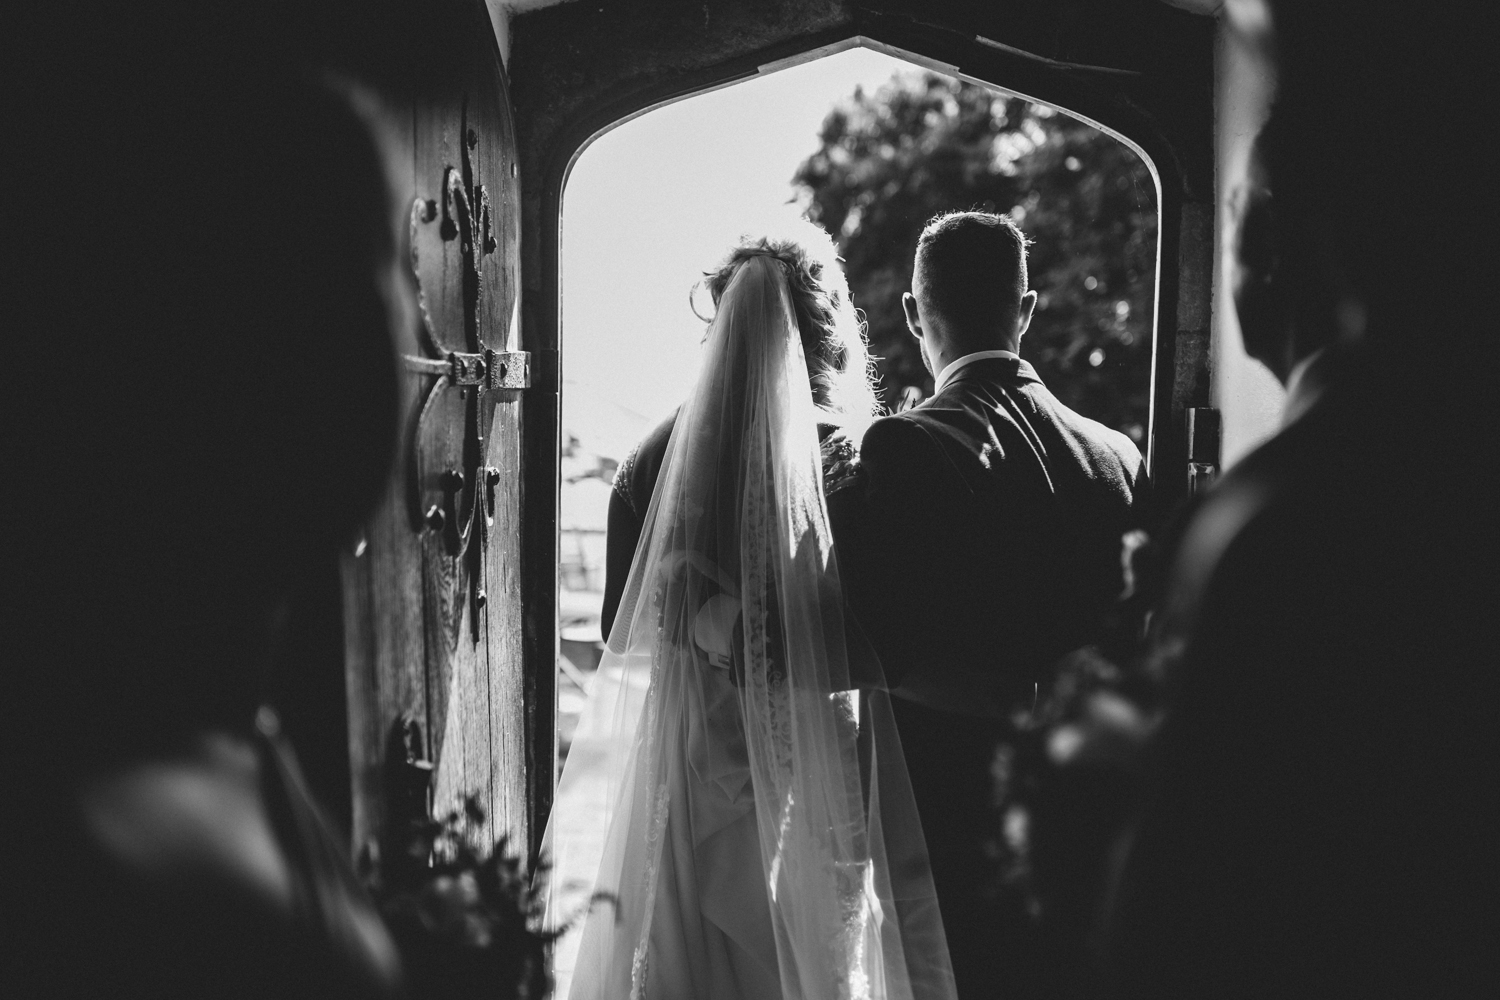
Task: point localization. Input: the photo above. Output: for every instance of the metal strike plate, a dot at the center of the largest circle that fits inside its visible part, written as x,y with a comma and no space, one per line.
508,369
1204,433
490,371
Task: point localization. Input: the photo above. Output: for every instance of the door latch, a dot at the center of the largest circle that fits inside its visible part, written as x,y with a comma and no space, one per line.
1204,432
490,371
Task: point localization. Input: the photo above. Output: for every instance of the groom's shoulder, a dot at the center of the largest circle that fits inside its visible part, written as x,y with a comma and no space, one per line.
902,442
1101,436
896,433
1083,436
952,417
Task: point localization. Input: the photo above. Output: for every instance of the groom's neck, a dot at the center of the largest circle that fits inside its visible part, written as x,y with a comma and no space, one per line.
958,347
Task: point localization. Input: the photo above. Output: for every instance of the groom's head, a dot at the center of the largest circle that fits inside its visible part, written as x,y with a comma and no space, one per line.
968,287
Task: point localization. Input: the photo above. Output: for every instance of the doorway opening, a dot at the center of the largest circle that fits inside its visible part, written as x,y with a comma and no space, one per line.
869,146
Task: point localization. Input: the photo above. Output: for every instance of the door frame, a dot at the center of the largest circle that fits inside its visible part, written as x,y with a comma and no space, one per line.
1173,134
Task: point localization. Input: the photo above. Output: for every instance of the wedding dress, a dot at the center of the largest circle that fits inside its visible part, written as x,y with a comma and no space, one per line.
737,809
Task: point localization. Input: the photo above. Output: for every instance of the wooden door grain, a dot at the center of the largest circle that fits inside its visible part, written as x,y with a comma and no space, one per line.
431,612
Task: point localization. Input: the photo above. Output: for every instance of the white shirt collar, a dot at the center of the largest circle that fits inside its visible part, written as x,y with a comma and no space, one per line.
1301,392
946,375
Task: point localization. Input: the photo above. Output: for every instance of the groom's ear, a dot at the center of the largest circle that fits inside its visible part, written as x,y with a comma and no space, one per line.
913,318
1023,316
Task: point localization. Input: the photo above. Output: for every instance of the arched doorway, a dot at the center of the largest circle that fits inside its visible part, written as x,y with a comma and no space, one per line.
870,146
1147,79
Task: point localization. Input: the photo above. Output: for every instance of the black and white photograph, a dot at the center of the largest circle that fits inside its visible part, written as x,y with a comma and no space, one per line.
749,500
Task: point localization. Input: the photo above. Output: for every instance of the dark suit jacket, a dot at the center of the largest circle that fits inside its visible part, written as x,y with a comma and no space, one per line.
1317,823
981,541
986,532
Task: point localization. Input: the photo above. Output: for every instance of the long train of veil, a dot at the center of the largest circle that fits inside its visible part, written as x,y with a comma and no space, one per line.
743,806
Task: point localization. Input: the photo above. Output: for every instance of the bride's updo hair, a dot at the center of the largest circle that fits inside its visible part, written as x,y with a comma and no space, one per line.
833,332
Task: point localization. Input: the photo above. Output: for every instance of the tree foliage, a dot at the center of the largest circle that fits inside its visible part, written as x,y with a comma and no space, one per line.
926,143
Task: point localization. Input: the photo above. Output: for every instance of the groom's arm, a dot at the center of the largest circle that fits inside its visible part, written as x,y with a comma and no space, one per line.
883,524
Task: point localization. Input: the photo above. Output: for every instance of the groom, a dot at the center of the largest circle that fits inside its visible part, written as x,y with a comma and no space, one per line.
981,542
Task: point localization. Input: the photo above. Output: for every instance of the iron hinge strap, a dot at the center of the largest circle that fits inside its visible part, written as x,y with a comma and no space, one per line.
490,370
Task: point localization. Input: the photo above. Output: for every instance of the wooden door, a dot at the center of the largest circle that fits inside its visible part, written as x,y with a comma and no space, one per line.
432,617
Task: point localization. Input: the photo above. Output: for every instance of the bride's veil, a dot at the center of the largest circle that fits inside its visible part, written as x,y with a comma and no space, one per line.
742,807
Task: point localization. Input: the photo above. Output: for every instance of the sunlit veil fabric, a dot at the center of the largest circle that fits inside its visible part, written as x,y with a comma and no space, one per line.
747,810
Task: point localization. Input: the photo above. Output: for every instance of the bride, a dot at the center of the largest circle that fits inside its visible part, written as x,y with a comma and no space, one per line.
735,793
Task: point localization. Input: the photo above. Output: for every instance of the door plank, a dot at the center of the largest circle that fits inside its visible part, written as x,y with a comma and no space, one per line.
417,640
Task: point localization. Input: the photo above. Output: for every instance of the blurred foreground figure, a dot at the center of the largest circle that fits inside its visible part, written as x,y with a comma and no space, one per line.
203,293
1320,809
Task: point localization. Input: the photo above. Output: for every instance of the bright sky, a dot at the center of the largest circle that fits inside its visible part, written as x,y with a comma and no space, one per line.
653,204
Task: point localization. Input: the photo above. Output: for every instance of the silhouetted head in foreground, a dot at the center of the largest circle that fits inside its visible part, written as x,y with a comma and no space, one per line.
209,293
204,310
969,288
1308,825
1359,220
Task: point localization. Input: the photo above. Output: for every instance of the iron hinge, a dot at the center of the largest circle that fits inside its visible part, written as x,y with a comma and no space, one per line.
492,370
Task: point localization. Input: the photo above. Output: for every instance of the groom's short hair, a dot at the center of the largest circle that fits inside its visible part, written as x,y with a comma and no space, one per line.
971,268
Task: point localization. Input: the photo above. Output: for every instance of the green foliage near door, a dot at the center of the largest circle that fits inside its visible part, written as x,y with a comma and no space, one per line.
923,144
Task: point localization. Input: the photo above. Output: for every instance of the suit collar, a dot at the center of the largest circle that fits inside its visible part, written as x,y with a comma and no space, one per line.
1009,368
958,364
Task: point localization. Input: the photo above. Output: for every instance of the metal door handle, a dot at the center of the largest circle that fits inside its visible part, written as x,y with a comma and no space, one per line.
445,518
